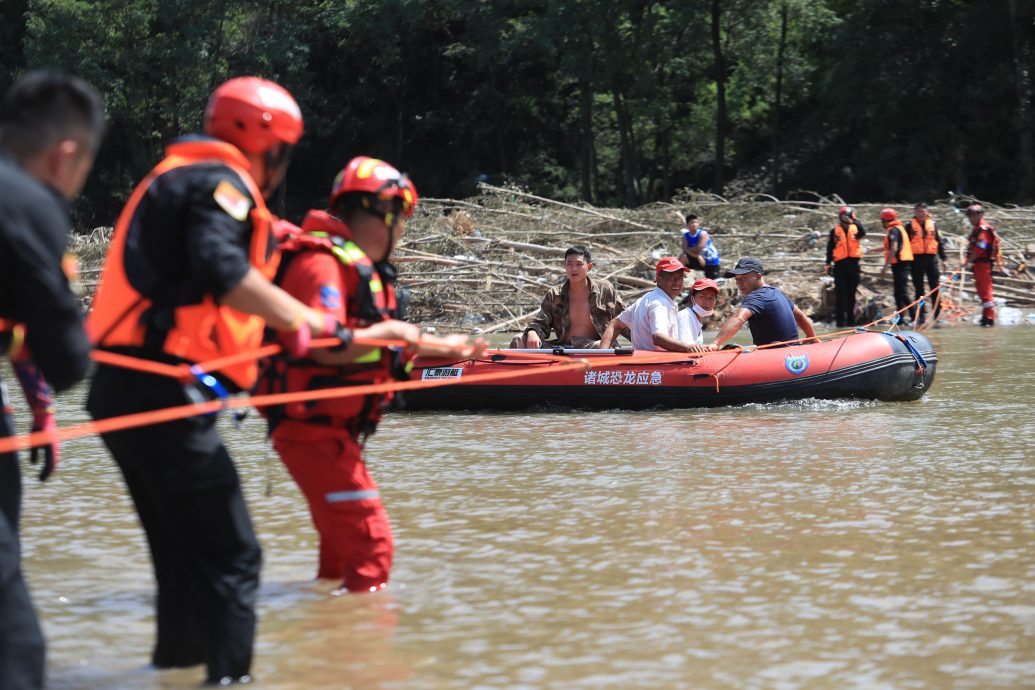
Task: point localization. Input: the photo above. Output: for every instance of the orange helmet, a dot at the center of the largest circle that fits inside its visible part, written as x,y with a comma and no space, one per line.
846,211
888,214
378,179
253,114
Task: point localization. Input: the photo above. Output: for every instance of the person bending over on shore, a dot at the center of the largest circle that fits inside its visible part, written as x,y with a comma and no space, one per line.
653,319
769,313
578,310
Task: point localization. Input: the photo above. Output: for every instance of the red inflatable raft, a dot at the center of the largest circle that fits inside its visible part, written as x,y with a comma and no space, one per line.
871,365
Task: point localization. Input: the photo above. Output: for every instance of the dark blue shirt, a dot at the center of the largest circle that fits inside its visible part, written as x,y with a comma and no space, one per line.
772,316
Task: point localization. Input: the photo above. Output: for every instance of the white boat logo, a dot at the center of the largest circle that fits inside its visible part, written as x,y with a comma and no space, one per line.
796,364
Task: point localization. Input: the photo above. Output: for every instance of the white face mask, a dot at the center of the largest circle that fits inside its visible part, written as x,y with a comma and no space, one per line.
701,311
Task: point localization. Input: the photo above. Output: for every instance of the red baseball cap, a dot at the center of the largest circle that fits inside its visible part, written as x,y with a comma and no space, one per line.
704,284
669,263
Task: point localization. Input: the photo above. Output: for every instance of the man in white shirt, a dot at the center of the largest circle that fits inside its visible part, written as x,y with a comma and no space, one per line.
653,320
704,293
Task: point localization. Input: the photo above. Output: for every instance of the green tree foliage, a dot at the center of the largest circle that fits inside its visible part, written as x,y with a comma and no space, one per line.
608,101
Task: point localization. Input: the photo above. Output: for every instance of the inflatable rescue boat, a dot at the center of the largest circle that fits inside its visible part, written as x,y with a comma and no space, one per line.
865,364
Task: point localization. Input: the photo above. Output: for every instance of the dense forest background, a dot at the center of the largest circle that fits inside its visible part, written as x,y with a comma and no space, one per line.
613,102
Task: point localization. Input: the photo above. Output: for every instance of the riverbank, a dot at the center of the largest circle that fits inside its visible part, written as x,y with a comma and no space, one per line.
483,264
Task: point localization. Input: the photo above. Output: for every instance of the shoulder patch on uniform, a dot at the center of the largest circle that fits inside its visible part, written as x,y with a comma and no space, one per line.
330,297
232,200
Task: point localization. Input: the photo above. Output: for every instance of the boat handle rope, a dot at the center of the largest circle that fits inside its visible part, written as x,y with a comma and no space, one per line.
921,363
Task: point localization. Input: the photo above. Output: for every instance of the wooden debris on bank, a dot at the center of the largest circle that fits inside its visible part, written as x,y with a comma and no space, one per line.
484,264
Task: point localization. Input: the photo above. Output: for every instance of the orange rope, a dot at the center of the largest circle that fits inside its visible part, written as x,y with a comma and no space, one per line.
182,372
169,414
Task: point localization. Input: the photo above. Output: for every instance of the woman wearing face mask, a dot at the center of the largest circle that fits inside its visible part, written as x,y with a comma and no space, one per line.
703,295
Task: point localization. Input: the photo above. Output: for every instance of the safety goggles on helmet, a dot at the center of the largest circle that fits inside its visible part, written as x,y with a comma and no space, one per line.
387,205
399,189
379,183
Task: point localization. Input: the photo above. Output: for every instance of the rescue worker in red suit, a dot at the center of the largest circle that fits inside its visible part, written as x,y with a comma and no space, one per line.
982,251
187,278
898,253
339,263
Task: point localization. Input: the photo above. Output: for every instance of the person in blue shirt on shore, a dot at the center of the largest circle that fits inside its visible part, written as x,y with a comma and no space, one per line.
770,315
699,252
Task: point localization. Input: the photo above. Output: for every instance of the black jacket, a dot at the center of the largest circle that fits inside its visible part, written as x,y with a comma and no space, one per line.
182,245
33,288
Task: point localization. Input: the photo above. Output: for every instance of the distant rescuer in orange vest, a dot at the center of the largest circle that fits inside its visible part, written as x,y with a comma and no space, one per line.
927,249
898,254
51,126
843,254
982,251
187,279
339,264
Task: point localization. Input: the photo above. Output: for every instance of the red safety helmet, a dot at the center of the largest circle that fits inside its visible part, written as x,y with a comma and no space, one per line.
253,114
372,176
888,214
846,211
974,208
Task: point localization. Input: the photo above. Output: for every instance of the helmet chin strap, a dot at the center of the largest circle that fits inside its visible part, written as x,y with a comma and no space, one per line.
388,218
391,244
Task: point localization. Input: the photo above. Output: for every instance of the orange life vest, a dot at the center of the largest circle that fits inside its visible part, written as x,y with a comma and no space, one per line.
197,332
370,298
983,244
923,238
846,242
905,253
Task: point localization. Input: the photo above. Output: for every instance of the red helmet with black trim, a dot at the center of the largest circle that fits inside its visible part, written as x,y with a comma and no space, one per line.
888,214
253,114
846,211
372,176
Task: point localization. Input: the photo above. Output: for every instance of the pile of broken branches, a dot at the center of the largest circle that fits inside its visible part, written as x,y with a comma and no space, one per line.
484,263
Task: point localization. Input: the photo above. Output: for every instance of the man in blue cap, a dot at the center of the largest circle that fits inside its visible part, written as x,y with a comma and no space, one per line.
770,315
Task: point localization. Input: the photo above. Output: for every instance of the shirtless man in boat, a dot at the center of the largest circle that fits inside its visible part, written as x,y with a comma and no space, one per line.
654,319
770,315
578,310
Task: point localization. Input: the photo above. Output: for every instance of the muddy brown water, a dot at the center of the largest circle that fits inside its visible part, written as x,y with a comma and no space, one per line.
810,544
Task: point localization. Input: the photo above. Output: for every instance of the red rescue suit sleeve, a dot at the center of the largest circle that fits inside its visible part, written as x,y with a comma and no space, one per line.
315,279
